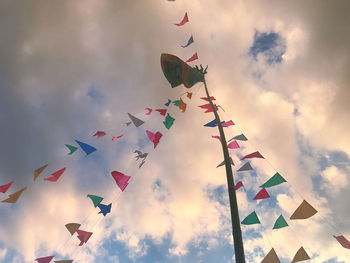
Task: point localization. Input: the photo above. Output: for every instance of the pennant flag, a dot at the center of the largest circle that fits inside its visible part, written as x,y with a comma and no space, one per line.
301,255
154,137
182,105
238,185
63,261
217,137
72,227
189,42
193,58
5,187
263,194
208,107
245,167
240,137
14,197
105,209
38,171
168,121
223,163
177,72
162,111
189,95
168,103
56,175
251,219
149,111
280,223
343,241
83,236
71,149
140,155
233,145
304,211
276,179
176,103
212,123
45,259
253,155
95,199
227,123
128,123
206,99
99,134
137,122
121,179
116,138
271,257
86,147
184,21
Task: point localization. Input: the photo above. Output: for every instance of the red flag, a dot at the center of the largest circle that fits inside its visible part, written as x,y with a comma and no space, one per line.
44,259
121,179
149,110
116,138
227,123
253,155
184,20
162,111
194,57
217,137
263,194
83,236
208,107
343,241
56,175
233,145
206,99
4,188
238,185
100,134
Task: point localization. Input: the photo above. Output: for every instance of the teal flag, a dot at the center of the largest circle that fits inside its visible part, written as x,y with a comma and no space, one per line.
176,103
95,199
71,148
280,222
168,121
251,219
274,180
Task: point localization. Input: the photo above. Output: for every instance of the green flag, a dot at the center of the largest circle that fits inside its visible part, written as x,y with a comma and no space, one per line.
280,222
274,180
168,121
251,219
95,199
71,148
176,103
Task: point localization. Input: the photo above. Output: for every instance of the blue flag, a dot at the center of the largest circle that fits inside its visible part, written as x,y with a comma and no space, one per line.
168,103
86,147
190,41
105,209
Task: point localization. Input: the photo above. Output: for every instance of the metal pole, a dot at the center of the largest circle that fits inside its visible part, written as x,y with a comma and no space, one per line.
236,224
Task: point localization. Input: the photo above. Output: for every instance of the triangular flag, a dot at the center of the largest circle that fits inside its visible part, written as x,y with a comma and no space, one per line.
208,107
168,121
240,137
271,257
5,187
216,137
38,171
189,42
189,95
128,123
71,149
245,167
227,123
121,179
206,99
223,163
182,105
105,209
212,123
162,111
149,111
95,199
72,227
304,211
193,58
176,103
168,103
86,147
184,20
276,179
56,175
137,122
14,197
251,219
154,137
233,145
253,155
116,138
262,194
280,223
63,261
83,236
343,241
99,134
45,259
238,185
301,255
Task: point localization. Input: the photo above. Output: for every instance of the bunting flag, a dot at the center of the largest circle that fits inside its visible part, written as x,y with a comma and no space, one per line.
301,255
262,194
253,155
105,209
99,134
227,123
216,137
128,123
233,145
182,105
251,219
86,147
56,175
72,227
143,161
304,211
208,108
71,148
343,241
276,179
183,21
5,187
223,163
136,121
176,103
193,58
238,185
245,167
45,259
63,261
189,95
168,103
38,171
206,99
271,257
83,236
212,123
162,111
140,155
14,197
116,138
168,121
154,137
121,179
149,111
189,42
280,223
240,137
96,200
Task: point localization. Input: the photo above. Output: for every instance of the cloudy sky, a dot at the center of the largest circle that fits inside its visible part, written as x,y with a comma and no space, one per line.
279,69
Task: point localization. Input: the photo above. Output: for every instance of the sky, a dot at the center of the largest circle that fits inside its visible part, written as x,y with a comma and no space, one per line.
279,69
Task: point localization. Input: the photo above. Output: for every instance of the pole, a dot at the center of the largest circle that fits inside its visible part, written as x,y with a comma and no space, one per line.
236,224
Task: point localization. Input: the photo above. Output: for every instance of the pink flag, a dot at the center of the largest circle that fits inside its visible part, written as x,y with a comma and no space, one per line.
162,111
154,137
99,134
194,57
5,187
83,236
184,20
208,107
238,185
233,145
217,137
253,155
44,259
121,179
206,99
116,138
149,111
55,175
228,123
343,241
263,194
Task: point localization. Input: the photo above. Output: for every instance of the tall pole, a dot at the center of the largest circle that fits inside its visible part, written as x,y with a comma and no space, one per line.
236,224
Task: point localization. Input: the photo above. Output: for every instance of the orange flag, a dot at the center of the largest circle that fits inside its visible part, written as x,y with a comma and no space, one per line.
14,197
38,171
